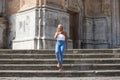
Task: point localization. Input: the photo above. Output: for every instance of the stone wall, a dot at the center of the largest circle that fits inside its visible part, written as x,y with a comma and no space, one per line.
100,24
3,36
26,4
51,19
98,7
115,23
34,32
97,26
25,30
3,24
55,3
16,19
31,27
11,30
14,6
2,7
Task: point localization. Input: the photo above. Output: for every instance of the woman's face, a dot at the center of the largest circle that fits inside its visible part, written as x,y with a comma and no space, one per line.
60,29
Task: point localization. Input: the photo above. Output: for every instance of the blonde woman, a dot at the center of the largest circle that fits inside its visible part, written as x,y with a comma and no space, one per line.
61,44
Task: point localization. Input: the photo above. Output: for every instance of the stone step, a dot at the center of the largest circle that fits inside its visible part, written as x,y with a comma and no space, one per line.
56,73
77,51
66,61
50,56
42,63
65,67
60,78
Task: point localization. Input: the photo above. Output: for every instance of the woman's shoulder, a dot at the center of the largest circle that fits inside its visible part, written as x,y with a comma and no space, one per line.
64,32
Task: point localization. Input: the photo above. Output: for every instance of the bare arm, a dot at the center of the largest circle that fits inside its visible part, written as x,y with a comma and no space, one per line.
66,40
56,35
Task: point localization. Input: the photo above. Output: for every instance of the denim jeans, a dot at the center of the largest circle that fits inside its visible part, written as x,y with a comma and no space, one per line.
59,50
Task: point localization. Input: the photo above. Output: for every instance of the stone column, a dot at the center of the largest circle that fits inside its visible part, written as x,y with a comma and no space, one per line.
2,7
51,13
3,36
25,30
115,23
35,27
26,25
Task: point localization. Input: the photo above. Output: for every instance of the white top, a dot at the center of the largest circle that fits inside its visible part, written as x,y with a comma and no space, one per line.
61,37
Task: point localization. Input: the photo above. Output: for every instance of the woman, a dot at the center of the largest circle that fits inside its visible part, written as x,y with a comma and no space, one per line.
61,44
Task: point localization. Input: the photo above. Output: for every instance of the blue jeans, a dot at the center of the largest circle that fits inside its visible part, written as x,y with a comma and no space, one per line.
59,50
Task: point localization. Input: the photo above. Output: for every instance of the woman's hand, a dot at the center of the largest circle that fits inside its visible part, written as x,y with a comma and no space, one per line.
56,34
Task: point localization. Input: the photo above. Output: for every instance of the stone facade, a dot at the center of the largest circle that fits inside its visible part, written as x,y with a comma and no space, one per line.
25,30
89,23
37,31
100,24
2,7
97,28
3,36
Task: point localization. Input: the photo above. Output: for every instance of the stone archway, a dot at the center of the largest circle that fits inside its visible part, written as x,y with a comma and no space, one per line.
74,30
3,37
74,10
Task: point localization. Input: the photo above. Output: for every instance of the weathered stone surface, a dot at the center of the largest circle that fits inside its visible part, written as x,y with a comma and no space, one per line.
25,30
26,4
65,78
52,19
96,21
101,13
24,64
13,6
73,5
11,30
3,36
94,37
55,3
2,7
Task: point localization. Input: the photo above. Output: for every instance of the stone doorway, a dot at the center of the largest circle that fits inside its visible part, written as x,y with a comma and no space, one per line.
74,29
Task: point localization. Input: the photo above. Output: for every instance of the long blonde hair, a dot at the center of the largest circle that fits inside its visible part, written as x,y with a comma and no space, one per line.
60,26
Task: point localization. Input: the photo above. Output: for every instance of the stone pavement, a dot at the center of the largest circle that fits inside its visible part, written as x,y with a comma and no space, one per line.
63,78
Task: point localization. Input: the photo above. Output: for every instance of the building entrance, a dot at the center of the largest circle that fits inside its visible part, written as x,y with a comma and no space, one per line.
74,30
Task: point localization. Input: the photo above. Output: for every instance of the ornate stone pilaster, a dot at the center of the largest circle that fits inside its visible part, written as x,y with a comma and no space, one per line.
106,7
3,36
73,5
115,23
25,30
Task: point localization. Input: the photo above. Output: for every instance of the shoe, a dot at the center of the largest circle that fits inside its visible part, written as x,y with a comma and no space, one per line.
58,65
60,68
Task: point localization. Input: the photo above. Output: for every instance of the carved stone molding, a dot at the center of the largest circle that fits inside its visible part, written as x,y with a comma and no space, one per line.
2,33
72,5
106,7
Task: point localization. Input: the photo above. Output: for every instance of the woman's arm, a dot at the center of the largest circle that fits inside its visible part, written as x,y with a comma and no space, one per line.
66,40
56,35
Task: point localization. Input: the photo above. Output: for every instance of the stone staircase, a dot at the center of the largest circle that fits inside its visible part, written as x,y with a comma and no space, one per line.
42,63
